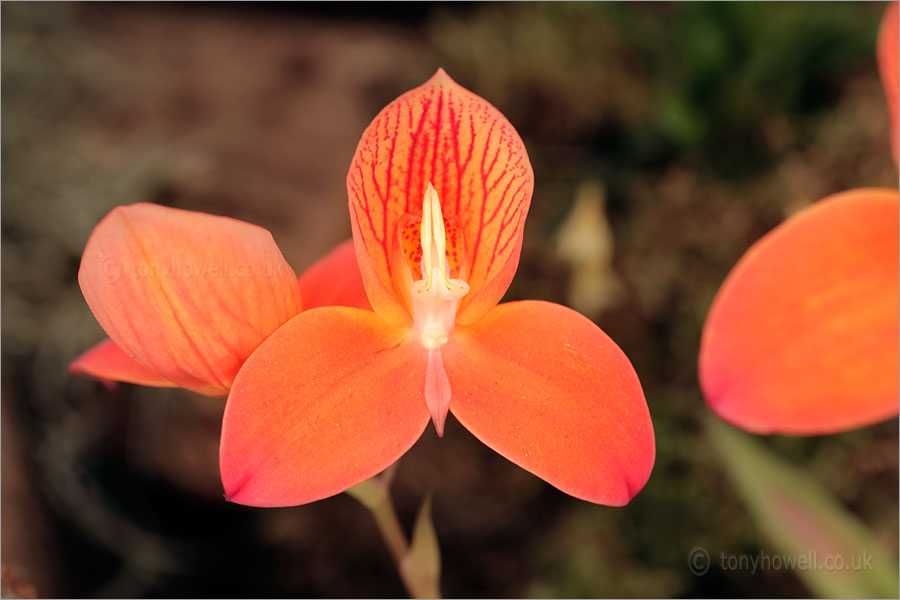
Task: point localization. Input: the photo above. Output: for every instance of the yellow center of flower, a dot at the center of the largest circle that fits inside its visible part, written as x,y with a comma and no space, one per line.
436,296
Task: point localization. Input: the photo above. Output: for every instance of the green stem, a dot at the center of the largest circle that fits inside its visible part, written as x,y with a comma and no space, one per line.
375,495
389,526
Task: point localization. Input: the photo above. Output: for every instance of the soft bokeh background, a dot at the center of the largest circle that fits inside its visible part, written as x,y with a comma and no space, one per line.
665,139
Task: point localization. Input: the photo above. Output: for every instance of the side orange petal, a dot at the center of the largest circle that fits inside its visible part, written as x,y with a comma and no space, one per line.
802,336
443,134
546,388
107,362
888,58
189,296
330,399
334,280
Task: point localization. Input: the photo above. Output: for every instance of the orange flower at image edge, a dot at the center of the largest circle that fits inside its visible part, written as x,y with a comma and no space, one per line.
803,336
439,189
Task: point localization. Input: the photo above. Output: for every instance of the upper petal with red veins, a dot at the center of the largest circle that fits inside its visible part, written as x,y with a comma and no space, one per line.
330,399
188,295
546,388
108,363
888,58
442,134
802,336
334,280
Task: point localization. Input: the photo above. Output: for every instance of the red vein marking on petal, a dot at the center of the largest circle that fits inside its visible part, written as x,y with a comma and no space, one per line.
440,127
437,139
411,206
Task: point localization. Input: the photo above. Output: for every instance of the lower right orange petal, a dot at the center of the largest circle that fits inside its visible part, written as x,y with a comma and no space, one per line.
802,337
547,389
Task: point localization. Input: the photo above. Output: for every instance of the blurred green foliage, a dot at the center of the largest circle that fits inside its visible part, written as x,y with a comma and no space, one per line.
800,519
719,68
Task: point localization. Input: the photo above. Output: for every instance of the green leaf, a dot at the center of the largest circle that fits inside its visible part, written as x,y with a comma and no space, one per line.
370,493
421,567
373,492
836,555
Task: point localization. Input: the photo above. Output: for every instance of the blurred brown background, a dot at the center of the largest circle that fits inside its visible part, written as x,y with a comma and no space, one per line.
684,131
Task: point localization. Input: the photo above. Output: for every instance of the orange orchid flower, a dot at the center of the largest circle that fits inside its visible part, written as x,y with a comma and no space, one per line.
185,297
802,336
439,189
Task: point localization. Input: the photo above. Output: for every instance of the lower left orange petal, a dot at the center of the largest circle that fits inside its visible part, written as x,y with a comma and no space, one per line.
109,363
332,398
546,388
